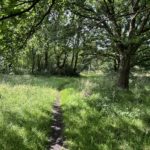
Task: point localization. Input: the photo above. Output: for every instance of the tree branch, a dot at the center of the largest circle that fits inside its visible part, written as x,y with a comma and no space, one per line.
34,27
19,13
144,22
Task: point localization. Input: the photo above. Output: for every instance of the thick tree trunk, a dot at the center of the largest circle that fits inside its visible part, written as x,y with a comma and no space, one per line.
116,64
124,70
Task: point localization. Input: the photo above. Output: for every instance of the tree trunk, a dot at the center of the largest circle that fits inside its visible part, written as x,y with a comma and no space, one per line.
58,61
73,55
38,63
64,61
124,70
76,62
46,60
116,64
33,61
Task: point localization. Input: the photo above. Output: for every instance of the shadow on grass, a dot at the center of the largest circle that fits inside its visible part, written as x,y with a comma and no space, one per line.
114,120
26,131
102,123
97,131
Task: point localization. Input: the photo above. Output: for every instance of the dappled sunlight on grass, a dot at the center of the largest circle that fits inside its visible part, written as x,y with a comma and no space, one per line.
102,117
96,115
39,81
25,112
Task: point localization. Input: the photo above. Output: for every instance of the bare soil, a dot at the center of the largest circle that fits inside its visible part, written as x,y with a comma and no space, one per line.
57,127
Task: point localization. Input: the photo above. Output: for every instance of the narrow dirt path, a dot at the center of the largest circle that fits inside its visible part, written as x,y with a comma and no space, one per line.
57,126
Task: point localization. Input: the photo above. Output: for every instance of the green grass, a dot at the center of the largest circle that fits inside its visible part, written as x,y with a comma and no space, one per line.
97,115
25,111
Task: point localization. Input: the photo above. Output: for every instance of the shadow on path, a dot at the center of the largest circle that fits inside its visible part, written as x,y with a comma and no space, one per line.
57,124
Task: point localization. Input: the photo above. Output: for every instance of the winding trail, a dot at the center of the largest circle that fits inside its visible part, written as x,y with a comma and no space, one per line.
57,126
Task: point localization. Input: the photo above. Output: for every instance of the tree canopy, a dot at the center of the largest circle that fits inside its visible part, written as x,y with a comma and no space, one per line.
65,37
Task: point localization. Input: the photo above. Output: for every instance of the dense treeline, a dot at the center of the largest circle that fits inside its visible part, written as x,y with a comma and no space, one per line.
66,37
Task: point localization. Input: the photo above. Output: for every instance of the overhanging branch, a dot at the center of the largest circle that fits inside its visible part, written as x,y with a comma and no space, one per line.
20,12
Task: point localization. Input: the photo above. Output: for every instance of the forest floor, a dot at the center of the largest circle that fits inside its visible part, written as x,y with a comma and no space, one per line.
94,114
